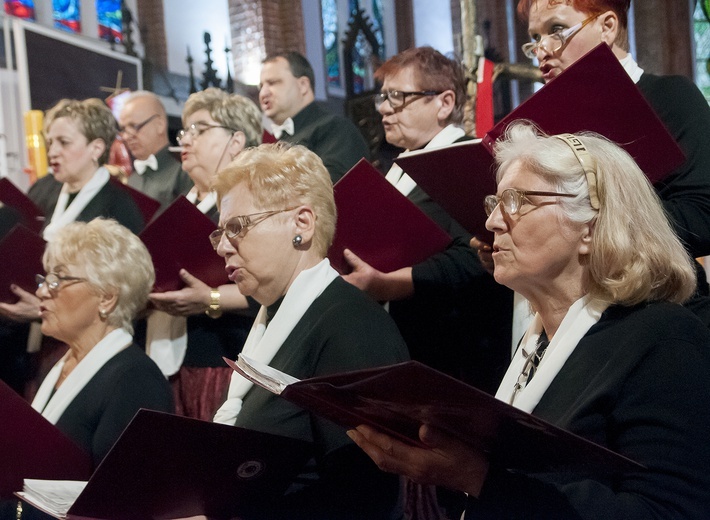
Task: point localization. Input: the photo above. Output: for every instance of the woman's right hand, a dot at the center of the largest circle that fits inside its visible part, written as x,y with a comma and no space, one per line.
446,461
24,310
485,254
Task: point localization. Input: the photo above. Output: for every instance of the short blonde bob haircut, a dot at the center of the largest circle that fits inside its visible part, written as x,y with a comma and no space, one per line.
280,176
636,256
93,118
231,110
115,262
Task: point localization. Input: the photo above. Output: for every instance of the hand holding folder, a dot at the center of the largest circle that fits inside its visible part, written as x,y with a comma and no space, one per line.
379,224
397,399
177,239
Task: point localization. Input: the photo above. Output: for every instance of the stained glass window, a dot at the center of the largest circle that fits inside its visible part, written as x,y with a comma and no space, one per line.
377,25
66,15
108,14
24,9
701,25
334,29
330,41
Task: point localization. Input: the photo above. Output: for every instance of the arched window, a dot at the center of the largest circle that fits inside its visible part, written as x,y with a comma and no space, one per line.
336,15
701,30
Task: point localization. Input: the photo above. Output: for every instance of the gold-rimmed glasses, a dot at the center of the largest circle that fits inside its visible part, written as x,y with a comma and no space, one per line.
513,199
53,281
555,41
197,129
235,226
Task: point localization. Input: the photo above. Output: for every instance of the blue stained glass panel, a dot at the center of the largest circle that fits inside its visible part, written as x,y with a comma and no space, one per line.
66,14
108,14
329,12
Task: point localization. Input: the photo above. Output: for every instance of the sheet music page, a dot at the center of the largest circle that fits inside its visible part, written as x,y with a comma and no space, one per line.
54,497
263,375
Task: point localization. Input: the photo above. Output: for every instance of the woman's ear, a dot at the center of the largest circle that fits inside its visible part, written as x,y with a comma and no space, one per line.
108,302
305,223
448,101
237,143
98,147
585,244
610,27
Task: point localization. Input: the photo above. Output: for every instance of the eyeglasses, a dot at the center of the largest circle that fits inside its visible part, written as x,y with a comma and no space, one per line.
197,129
555,41
134,129
235,226
397,98
54,281
512,200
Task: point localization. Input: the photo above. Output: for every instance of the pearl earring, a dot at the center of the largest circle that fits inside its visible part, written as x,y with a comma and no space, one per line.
297,240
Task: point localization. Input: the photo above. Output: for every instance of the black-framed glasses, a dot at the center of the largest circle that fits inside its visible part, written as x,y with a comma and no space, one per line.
397,98
53,281
197,129
555,41
512,200
134,129
235,226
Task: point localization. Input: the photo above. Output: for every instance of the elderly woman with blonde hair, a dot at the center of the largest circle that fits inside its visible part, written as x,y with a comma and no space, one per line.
276,225
89,300
611,353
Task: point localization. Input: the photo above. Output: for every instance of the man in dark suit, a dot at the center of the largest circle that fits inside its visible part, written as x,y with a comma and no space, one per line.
287,98
143,125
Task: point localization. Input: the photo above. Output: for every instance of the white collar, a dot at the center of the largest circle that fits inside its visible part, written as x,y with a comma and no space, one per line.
580,317
206,204
264,342
64,215
403,182
52,409
631,67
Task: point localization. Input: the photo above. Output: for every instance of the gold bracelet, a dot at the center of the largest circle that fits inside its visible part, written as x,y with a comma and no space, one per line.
214,310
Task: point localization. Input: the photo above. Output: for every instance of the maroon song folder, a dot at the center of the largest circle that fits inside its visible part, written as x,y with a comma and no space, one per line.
167,466
32,447
594,94
379,224
458,177
21,251
177,239
147,205
12,196
397,399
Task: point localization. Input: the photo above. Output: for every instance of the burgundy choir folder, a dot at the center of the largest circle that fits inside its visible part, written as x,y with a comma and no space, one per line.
177,239
594,94
458,177
147,205
12,196
32,447
167,466
379,224
21,251
397,399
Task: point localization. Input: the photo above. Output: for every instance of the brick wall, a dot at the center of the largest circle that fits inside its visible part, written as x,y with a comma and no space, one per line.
262,27
152,31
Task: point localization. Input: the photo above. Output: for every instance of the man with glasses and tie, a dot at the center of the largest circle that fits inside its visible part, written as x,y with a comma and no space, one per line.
287,98
143,126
